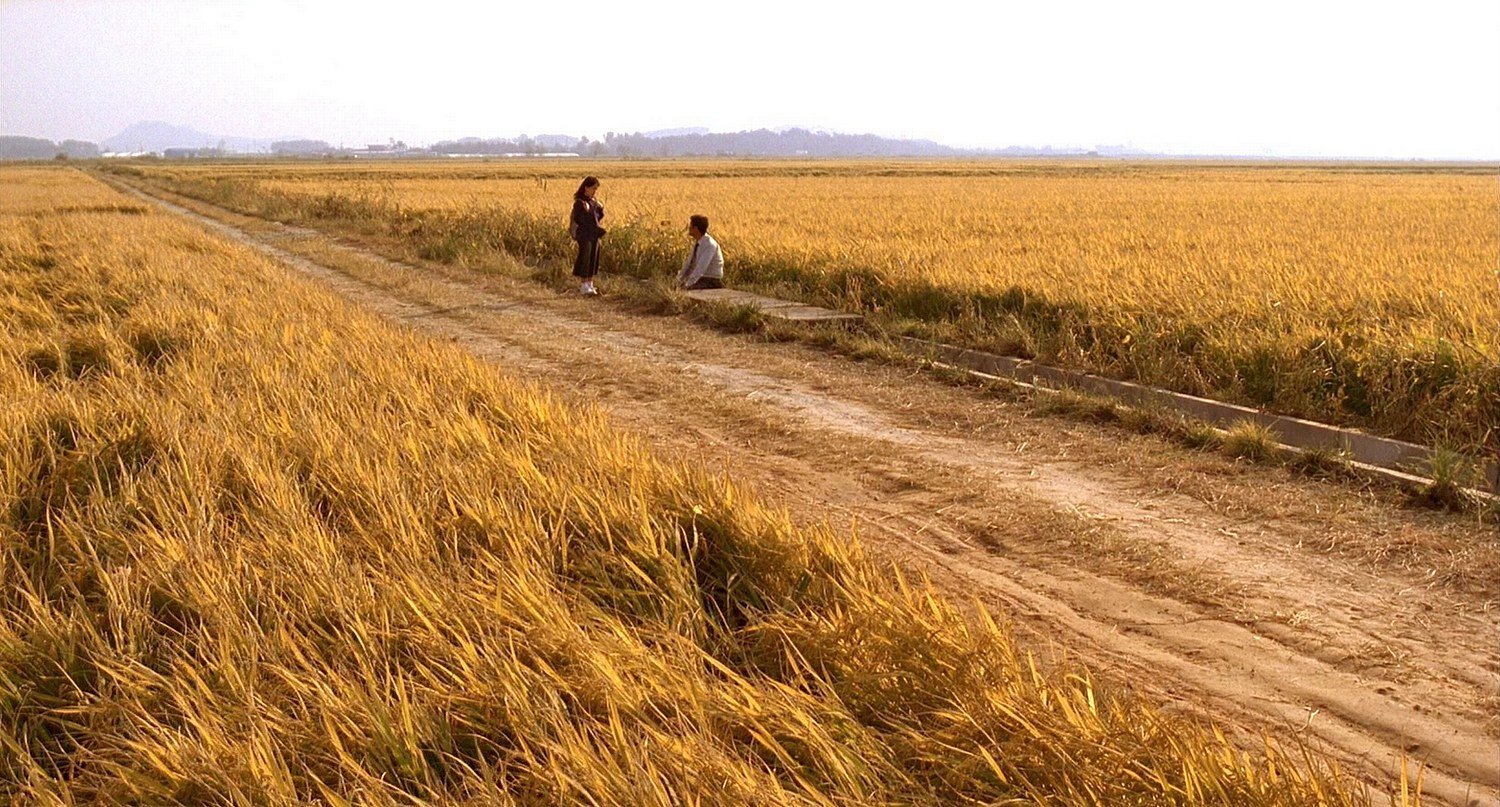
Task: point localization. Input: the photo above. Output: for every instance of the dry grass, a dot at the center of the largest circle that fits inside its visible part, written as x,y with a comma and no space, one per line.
1363,295
1249,440
265,549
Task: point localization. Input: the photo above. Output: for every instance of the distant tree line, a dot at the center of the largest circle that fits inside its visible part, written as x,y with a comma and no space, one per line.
315,148
16,147
302,147
541,144
761,142
671,143
765,142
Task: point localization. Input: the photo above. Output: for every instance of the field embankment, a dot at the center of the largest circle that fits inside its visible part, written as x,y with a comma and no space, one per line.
1357,295
259,545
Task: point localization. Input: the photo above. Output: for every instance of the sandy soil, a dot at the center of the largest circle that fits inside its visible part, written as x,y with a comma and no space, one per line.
1266,601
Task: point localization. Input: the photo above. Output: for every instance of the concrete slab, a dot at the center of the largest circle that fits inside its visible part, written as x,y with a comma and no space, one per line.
772,306
808,313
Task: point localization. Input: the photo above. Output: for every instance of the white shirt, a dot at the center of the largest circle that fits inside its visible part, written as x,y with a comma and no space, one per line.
709,262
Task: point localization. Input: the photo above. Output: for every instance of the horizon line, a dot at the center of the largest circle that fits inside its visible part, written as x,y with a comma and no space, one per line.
1122,150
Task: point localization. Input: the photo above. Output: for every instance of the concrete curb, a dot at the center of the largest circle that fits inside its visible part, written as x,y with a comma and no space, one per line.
1403,460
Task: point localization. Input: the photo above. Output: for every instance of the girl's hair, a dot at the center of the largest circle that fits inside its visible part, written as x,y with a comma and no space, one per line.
588,182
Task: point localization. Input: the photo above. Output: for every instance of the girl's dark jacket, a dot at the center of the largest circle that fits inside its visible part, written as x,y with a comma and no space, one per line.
586,217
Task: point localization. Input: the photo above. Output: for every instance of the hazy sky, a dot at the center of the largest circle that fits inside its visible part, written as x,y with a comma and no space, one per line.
1407,79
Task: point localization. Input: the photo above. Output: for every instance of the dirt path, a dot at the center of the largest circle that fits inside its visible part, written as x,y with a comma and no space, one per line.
1241,592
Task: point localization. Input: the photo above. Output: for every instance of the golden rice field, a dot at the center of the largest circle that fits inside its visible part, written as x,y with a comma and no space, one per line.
257,546
1362,295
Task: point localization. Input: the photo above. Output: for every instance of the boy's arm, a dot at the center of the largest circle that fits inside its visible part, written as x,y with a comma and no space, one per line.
692,273
716,259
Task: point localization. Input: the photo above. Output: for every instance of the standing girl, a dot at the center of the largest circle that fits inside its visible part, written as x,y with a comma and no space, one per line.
587,213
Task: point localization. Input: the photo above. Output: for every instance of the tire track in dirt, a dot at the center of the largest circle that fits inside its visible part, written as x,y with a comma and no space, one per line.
1278,634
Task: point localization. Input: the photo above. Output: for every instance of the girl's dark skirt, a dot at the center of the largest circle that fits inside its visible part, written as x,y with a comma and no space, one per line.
587,262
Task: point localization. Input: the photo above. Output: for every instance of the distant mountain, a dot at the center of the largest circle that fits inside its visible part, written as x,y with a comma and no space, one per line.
159,135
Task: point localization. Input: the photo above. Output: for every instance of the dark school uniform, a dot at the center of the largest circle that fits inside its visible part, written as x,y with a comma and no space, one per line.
587,213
